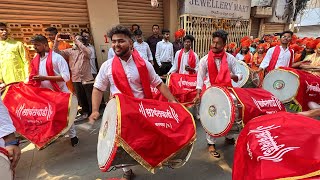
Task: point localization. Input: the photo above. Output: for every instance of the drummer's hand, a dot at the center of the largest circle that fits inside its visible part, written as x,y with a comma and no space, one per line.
93,117
196,100
306,62
14,155
39,78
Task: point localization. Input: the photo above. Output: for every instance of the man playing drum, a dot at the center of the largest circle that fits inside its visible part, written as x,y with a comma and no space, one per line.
186,60
279,55
126,73
9,145
218,68
40,72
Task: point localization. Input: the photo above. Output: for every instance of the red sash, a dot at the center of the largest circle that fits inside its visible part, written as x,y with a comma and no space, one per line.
275,56
221,77
49,67
191,60
121,80
39,114
281,145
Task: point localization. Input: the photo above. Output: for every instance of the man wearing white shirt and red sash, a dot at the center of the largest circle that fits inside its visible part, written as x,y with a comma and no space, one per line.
50,70
279,56
186,60
126,73
9,145
218,68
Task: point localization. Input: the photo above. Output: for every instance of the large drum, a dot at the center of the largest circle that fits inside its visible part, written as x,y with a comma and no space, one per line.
250,78
40,114
226,110
294,87
5,170
144,133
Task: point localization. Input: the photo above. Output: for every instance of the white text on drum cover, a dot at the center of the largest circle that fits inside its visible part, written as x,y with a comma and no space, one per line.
165,125
314,88
268,145
149,112
187,83
262,103
45,112
154,90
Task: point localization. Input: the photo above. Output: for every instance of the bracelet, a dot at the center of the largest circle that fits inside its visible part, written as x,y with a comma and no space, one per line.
14,142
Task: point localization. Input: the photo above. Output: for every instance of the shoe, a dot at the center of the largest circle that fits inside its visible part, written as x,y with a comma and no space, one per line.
74,141
129,175
230,141
81,117
212,151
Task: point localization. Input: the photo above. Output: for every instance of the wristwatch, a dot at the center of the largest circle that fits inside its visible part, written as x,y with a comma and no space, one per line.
15,142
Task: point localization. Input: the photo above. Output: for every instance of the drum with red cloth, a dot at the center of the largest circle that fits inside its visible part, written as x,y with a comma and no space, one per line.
143,131
226,110
281,145
250,79
294,87
5,169
40,114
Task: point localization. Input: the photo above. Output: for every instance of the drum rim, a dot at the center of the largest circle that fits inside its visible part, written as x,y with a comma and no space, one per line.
232,111
244,81
109,160
293,98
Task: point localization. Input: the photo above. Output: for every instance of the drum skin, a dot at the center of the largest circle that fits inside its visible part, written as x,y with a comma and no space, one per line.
250,79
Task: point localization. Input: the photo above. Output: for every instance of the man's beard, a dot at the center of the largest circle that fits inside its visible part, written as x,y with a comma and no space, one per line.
124,52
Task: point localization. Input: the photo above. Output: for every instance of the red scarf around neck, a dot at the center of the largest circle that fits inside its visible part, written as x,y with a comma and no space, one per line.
191,60
275,56
49,67
219,77
120,78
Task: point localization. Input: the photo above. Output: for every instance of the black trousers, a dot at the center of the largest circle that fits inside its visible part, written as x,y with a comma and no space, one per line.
165,68
84,96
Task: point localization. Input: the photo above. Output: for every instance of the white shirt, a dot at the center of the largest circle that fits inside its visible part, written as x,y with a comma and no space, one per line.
240,57
60,68
184,62
6,125
203,70
105,78
283,59
144,50
164,52
93,60
111,53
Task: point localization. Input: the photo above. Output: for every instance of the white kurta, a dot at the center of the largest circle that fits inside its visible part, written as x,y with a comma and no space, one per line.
283,59
184,62
6,125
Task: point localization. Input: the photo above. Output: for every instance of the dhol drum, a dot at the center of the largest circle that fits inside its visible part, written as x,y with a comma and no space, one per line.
40,114
295,88
226,110
5,170
114,149
250,79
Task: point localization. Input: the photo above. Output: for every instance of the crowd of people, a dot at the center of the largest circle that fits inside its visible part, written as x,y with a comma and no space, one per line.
74,68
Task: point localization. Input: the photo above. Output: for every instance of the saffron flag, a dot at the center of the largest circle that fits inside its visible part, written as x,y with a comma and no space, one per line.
275,146
39,114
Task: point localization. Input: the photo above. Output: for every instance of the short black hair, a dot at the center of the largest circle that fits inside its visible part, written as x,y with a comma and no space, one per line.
190,37
3,24
284,32
137,32
135,25
165,31
155,25
84,31
119,29
52,30
39,38
221,34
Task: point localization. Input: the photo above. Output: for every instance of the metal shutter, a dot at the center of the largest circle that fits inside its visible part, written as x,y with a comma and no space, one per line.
26,18
255,24
140,12
271,28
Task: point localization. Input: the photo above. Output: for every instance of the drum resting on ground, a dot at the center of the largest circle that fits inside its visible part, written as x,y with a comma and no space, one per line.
250,79
112,156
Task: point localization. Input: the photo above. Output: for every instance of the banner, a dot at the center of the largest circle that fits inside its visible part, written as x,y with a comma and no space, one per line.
183,87
281,145
38,114
235,9
256,102
153,131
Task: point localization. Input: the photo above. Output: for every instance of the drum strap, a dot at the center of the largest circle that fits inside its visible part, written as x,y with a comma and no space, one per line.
191,60
121,80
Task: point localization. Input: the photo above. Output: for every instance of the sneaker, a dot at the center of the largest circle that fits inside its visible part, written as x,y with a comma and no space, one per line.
74,141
